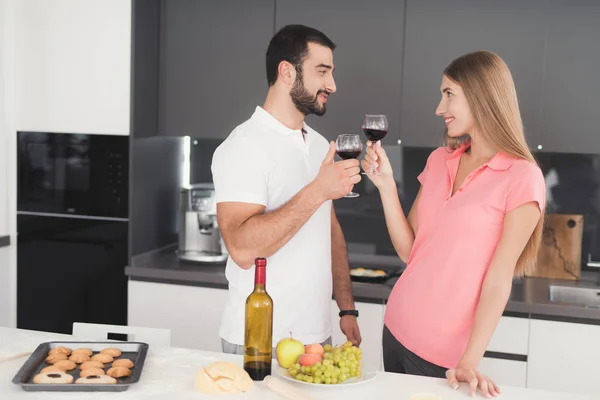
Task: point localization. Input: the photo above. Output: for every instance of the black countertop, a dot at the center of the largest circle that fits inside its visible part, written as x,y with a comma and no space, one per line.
529,296
4,241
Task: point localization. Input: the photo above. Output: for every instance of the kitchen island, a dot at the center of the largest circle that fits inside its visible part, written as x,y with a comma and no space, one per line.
169,373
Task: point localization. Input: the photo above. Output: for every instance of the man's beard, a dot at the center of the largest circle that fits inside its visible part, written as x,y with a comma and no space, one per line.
305,102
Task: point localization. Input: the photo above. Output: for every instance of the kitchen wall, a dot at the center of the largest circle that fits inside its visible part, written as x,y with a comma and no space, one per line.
8,268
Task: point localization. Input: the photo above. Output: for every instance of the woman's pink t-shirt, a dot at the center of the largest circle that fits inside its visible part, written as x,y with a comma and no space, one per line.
432,306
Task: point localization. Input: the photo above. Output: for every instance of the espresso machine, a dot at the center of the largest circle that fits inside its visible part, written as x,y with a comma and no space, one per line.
200,239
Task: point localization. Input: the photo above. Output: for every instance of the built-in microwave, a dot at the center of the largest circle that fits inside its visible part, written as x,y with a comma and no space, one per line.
73,174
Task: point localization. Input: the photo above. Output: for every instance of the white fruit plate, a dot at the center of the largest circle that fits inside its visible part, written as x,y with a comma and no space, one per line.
364,377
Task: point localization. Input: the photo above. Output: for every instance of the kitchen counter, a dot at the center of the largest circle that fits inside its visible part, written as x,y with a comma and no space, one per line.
529,296
4,241
169,373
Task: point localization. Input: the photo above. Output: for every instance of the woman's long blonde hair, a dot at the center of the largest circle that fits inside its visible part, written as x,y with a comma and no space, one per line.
490,91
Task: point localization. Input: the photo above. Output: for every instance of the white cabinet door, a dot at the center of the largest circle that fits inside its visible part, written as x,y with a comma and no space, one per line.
563,357
505,372
511,336
193,314
370,322
73,66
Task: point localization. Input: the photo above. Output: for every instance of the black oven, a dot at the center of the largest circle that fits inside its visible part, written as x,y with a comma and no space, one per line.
72,225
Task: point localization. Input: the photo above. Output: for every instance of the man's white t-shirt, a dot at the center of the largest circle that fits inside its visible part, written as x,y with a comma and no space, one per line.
264,162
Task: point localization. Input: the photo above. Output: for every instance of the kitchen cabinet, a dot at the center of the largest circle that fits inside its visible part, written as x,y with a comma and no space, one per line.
73,63
505,372
563,356
438,31
212,65
511,336
571,84
511,340
370,322
368,59
193,314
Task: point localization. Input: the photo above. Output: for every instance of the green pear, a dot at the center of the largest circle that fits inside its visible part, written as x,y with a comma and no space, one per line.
288,350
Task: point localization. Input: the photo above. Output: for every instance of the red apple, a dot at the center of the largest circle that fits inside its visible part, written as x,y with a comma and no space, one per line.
307,360
314,348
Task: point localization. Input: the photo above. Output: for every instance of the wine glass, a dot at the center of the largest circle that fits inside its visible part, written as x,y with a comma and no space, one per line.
375,127
348,145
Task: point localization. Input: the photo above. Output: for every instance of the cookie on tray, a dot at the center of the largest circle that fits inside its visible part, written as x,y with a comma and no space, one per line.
85,351
118,372
103,358
91,371
51,368
123,362
96,379
79,357
91,364
112,351
54,358
53,377
63,350
65,365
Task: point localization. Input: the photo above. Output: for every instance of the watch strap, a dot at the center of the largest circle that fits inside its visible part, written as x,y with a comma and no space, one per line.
354,313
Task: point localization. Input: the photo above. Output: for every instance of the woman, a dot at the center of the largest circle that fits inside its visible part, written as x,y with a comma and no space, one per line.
475,224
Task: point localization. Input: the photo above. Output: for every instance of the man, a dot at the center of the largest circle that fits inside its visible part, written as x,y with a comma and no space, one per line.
275,180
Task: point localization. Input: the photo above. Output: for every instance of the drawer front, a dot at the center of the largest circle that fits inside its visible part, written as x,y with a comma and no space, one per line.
511,336
505,372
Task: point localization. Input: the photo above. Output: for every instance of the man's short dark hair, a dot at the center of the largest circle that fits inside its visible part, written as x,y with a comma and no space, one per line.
291,44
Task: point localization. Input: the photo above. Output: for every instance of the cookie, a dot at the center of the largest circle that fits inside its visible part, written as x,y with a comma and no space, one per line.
53,358
92,371
123,362
103,358
91,364
65,365
63,350
53,377
52,368
79,357
96,379
85,351
112,351
118,372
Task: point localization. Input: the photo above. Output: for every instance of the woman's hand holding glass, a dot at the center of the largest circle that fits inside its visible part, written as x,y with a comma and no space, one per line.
376,160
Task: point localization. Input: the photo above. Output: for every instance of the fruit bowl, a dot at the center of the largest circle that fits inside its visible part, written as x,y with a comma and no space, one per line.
325,366
363,378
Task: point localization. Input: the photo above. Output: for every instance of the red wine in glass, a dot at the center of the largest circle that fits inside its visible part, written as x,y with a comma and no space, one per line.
348,154
348,146
375,134
375,127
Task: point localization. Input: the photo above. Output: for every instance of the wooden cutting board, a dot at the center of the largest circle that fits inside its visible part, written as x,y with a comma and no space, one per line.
559,256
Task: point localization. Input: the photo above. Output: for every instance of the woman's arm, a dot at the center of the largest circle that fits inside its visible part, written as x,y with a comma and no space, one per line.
519,224
402,230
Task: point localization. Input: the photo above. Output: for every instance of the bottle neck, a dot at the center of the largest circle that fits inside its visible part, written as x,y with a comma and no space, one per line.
260,278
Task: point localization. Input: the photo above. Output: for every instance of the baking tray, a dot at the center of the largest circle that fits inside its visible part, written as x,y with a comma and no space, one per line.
135,351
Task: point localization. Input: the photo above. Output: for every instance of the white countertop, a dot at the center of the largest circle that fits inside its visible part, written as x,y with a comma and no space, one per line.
169,374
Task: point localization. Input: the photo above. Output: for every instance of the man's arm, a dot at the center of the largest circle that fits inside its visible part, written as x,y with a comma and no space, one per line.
342,287
249,232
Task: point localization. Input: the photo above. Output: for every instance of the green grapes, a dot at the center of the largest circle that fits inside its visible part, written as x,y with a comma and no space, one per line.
338,364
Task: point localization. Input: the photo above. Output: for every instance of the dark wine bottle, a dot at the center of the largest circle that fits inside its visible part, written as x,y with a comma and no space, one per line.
258,340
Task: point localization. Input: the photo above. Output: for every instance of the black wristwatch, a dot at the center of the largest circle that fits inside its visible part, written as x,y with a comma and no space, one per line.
349,312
